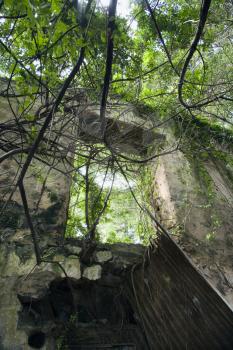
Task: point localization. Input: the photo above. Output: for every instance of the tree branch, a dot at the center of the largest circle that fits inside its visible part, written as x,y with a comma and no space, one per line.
108,67
202,21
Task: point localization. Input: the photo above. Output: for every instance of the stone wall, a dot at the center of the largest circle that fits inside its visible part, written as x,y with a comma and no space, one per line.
47,191
38,303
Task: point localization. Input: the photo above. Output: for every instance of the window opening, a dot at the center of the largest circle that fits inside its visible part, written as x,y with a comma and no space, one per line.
101,200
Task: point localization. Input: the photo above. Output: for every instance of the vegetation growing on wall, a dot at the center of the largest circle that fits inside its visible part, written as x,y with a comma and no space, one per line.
119,219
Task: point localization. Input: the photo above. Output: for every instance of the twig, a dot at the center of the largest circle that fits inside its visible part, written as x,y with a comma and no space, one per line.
30,224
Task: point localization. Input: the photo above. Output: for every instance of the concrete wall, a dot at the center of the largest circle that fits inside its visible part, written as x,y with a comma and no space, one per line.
193,196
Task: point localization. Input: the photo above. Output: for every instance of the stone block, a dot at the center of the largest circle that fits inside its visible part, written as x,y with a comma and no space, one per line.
73,249
103,256
72,267
93,272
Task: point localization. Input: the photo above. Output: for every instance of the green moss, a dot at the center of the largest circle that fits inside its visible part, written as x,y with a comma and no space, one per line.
206,184
24,251
50,215
53,196
202,132
214,130
210,237
10,217
9,220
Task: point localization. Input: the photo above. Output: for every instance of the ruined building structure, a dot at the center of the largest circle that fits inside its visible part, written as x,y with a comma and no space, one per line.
175,294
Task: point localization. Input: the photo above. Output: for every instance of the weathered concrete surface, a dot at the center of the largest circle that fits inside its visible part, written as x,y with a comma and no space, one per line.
126,129
194,199
10,337
47,191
